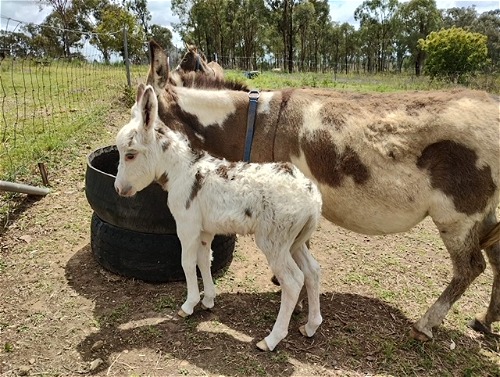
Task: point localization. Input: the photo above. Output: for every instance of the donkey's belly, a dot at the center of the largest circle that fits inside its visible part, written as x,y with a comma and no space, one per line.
370,215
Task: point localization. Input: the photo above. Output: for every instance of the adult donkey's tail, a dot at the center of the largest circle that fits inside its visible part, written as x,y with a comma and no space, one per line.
492,237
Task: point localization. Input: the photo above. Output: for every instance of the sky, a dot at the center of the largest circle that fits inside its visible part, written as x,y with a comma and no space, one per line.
340,11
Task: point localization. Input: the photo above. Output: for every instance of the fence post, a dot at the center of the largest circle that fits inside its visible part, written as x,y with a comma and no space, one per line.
125,55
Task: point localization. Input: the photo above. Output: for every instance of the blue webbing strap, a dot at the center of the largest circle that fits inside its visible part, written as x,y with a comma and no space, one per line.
253,95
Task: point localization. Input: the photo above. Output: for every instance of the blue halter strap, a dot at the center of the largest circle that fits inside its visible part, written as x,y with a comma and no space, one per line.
253,96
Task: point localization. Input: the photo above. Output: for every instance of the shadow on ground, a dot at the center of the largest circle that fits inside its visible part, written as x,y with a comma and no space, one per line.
16,205
359,335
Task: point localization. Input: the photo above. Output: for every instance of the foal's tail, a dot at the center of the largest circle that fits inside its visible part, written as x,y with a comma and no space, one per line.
492,237
305,233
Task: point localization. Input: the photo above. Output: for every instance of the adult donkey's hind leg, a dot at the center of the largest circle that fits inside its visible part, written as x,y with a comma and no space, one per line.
483,321
462,241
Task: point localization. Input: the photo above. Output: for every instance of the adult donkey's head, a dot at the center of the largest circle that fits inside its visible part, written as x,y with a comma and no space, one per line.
193,60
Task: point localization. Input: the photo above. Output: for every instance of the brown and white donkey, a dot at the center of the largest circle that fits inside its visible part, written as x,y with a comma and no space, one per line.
383,162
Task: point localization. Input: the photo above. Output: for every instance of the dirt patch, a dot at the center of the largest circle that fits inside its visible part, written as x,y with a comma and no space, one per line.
62,314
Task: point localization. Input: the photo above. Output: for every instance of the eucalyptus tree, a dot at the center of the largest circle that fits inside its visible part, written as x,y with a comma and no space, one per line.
139,8
377,22
282,17
251,21
418,18
488,23
320,29
304,19
66,30
350,45
202,23
107,36
461,17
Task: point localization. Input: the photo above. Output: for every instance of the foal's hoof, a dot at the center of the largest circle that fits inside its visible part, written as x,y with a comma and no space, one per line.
262,345
418,335
478,326
182,313
275,281
206,307
303,331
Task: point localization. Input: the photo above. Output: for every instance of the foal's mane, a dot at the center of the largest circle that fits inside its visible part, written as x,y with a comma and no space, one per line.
200,80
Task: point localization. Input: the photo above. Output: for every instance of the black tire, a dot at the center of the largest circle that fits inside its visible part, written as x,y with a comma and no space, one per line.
146,212
149,257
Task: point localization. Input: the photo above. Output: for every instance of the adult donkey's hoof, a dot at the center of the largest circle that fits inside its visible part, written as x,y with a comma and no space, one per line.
419,335
477,325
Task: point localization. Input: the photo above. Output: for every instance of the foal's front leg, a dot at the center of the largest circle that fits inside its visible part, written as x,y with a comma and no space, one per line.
204,259
190,246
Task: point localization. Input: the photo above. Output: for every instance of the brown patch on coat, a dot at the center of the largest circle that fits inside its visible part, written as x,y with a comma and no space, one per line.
328,165
165,144
248,212
197,155
159,133
197,185
452,169
162,180
284,167
222,171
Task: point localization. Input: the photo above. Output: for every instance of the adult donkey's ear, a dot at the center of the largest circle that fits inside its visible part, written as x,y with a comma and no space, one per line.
159,67
140,92
149,108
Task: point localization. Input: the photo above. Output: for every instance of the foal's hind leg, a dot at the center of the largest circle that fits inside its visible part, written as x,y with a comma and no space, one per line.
291,280
311,269
483,321
462,242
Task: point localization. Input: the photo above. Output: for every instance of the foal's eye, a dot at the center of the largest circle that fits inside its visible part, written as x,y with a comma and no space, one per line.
129,156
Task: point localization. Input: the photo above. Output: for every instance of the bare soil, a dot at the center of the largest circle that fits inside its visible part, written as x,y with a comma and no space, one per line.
61,314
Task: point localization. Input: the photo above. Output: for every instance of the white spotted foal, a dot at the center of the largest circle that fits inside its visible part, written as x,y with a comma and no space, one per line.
209,196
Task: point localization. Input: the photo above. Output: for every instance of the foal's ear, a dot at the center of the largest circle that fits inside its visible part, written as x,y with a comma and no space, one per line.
149,108
159,68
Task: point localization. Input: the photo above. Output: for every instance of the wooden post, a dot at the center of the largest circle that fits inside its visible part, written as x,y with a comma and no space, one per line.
125,55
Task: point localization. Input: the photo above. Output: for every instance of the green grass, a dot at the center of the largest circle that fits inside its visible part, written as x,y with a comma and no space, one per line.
46,109
358,82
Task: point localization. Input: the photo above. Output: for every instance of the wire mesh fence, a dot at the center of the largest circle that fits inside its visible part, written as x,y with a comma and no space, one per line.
44,102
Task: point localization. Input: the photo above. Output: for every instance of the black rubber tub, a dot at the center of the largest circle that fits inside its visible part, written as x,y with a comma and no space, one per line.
146,212
135,237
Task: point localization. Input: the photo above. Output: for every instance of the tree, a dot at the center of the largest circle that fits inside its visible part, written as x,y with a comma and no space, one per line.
459,17
304,19
488,23
282,11
377,18
64,23
453,53
108,33
418,19
140,9
250,20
